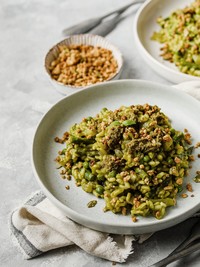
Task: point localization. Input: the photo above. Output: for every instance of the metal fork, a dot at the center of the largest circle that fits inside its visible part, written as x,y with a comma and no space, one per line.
189,245
102,27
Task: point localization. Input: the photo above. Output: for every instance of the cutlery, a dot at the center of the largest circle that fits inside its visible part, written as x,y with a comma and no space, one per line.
89,24
106,27
189,245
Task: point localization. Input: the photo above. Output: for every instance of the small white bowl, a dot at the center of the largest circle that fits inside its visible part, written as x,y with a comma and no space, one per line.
81,39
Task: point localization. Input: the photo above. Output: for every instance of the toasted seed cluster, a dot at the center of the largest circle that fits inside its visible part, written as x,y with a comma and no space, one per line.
92,203
81,65
131,157
180,36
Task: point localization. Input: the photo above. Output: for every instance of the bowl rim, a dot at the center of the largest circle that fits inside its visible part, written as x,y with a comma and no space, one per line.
119,62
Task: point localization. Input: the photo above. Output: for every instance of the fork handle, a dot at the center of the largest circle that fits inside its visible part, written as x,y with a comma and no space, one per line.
89,24
122,9
177,255
106,26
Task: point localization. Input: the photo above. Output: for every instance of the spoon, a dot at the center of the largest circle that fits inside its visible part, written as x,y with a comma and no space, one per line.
89,24
183,249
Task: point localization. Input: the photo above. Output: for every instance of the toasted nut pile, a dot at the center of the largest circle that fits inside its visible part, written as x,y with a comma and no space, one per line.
82,65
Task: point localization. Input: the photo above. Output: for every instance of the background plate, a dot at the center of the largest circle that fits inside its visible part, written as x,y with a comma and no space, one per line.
180,107
144,26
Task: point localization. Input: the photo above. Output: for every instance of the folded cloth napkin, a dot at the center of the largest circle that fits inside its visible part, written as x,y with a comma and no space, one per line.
38,226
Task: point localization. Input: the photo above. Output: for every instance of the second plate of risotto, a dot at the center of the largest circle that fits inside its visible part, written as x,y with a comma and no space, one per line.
167,36
121,157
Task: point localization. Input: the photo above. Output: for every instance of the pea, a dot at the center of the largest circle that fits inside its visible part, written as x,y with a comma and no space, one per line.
86,164
160,157
151,155
172,131
87,187
89,176
146,158
170,160
118,153
112,174
100,177
180,188
137,170
100,189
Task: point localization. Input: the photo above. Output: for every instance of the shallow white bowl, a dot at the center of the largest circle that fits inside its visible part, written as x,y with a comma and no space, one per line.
85,39
177,105
143,28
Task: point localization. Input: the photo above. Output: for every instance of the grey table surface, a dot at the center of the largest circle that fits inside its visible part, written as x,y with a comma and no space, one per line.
28,30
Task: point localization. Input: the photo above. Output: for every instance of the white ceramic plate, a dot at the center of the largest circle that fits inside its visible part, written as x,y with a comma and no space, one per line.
144,26
180,107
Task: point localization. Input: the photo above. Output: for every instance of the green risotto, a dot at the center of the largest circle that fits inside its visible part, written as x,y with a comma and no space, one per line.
130,157
180,34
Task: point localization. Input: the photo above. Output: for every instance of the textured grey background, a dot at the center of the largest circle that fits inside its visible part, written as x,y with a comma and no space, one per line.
27,30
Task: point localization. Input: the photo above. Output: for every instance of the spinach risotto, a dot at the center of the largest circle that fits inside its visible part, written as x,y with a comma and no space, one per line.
131,157
180,35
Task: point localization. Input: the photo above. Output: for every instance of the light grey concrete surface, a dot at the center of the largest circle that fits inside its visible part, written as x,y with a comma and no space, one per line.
27,30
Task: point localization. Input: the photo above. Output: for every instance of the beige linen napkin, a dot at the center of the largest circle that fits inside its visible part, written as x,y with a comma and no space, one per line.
38,226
